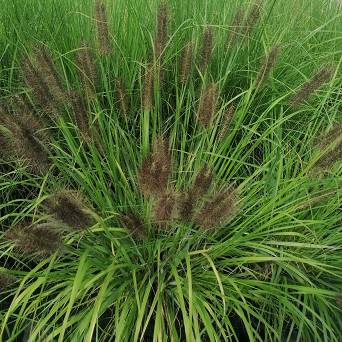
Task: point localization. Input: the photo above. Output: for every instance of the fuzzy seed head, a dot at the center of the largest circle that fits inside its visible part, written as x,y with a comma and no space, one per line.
202,182
70,208
87,70
207,48
147,95
6,281
155,171
268,65
217,211
225,122
81,114
317,80
122,97
41,240
253,16
134,225
161,31
163,210
207,105
102,28
186,63
236,26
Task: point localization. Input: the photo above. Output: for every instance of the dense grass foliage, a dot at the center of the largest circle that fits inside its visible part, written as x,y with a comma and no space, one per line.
170,171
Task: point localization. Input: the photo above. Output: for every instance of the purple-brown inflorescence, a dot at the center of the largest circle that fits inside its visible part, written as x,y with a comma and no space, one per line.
236,26
207,105
161,30
253,16
102,28
325,139
207,48
69,207
22,141
41,240
316,81
122,97
267,65
199,188
225,122
163,209
186,63
156,168
217,211
134,225
330,157
87,70
80,110
148,87
6,281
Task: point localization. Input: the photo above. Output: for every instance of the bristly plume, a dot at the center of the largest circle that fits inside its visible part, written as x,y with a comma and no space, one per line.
202,182
81,115
267,65
148,88
330,158
198,189
155,170
218,211
39,88
50,76
225,122
87,70
21,141
102,28
317,80
325,139
69,207
122,97
161,30
186,63
134,225
41,240
253,16
163,209
235,27
207,48
6,281
207,105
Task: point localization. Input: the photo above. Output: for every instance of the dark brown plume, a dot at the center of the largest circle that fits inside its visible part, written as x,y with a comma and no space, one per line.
134,225
207,48
207,105
102,28
161,31
186,63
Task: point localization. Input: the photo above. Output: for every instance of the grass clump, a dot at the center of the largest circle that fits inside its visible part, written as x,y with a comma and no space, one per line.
162,182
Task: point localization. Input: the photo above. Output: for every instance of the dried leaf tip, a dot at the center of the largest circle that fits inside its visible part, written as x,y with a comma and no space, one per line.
207,105
186,63
134,225
320,77
207,48
102,28
161,30
41,240
268,64
70,208
156,168
218,211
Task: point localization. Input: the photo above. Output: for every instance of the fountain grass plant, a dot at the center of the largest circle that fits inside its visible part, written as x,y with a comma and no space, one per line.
170,171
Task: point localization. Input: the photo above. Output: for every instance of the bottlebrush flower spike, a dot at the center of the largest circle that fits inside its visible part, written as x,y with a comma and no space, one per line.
317,80
134,225
122,97
186,63
6,281
87,70
217,211
163,210
102,28
253,16
148,87
225,122
80,110
156,168
161,31
42,240
207,105
268,64
207,48
236,26
69,207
